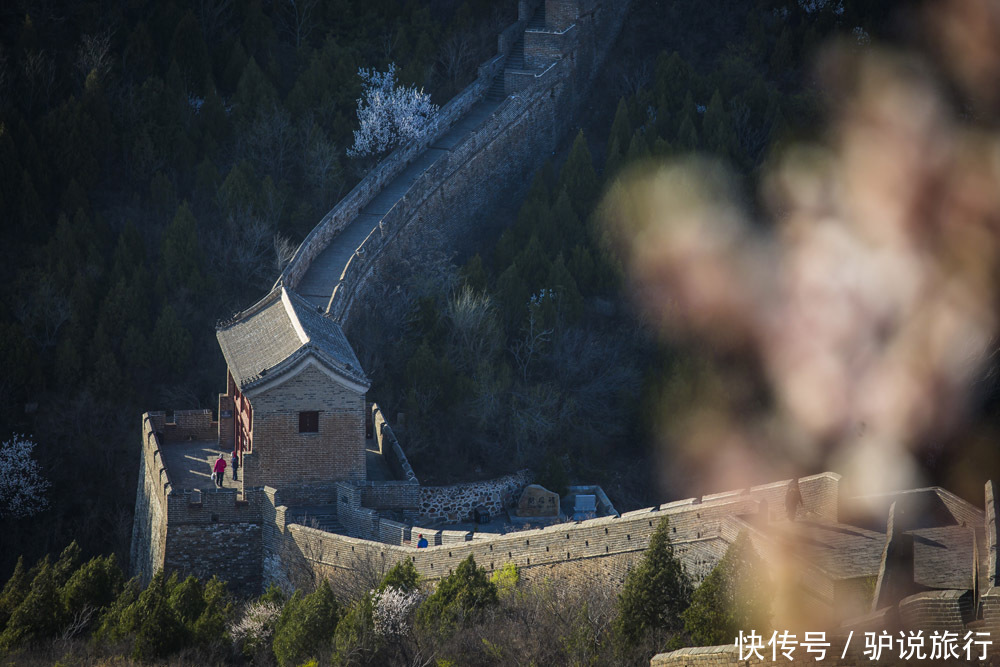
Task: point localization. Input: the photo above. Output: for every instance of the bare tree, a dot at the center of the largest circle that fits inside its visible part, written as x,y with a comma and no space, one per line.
633,79
455,56
94,55
44,314
533,339
298,20
284,251
270,141
475,332
40,77
213,15
321,163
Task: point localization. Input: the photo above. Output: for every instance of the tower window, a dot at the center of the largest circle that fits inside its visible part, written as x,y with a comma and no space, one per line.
309,422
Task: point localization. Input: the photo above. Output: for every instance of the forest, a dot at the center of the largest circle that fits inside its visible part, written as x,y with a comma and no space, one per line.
160,162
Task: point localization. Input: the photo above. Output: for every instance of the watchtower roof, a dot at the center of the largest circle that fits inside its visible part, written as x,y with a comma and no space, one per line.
271,336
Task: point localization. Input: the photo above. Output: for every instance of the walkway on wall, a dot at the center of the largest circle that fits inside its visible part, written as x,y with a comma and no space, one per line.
324,272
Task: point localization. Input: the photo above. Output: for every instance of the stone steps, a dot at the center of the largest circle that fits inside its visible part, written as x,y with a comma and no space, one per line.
320,517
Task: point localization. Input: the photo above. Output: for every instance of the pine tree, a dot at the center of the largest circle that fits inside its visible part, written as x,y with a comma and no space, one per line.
40,614
560,279
621,127
458,597
717,129
733,597
656,592
14,591
181,252
473,274
578,177
306,626
687,135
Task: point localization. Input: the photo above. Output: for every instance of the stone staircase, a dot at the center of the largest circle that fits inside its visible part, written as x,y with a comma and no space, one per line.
321,517
537,20
496,93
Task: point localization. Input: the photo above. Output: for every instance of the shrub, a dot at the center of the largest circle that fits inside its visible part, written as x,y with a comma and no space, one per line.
461,594
306,626
506,579
403,576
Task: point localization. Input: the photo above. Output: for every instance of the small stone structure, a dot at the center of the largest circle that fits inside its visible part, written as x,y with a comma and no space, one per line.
537,501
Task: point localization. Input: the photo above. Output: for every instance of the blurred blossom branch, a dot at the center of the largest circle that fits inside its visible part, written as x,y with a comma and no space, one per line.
867,305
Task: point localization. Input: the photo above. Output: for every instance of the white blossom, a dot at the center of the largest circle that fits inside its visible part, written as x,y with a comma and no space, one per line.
22,488
391,611
389,114
255,627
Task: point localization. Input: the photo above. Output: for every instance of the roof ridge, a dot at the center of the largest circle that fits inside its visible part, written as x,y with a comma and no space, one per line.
293,316
253,309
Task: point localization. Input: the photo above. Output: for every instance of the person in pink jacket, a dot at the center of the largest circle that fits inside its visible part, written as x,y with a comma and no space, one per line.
220,470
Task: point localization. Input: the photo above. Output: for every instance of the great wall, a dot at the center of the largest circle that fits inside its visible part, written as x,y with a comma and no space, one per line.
326,488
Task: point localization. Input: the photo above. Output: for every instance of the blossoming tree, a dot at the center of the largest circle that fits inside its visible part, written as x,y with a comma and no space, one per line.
22,488
389,114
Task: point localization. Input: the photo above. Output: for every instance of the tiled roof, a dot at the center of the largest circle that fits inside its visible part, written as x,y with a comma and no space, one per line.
272,335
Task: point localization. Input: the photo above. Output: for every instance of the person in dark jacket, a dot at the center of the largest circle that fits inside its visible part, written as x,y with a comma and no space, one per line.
236,463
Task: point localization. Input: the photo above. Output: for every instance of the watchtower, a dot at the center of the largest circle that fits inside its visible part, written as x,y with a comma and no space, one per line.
295,401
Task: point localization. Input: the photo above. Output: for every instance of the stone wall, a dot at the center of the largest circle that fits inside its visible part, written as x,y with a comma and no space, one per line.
216,533
150,518
389,446
457,502
598,549
204,533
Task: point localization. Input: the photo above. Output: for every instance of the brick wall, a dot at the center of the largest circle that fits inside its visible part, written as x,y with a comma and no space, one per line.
390,495
150,517
560,14
936,610
282,456
185,425
543,47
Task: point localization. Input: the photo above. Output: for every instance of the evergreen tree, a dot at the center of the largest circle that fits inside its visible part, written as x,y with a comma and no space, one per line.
687,135
560,279
306,626
621,127
14,591
578,177
40,615
171,342
716,126
733,597
473,274
403,575
655,593
457,597
181,252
